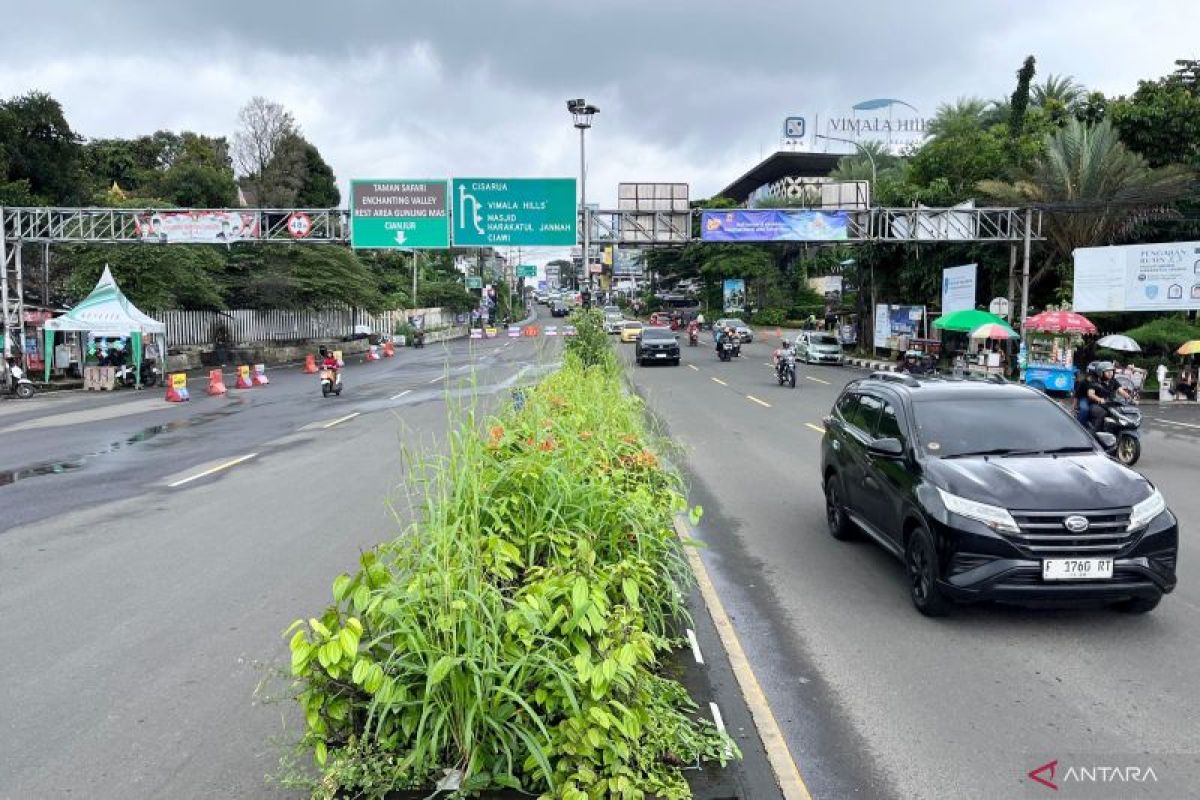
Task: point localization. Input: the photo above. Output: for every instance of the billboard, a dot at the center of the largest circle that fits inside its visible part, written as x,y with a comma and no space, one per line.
628,263
1138,277
774,225
734,293
532,212
958,288
893,322
197,227
653,197
399,213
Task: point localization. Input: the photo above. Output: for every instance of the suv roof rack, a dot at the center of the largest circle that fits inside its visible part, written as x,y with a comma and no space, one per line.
894,377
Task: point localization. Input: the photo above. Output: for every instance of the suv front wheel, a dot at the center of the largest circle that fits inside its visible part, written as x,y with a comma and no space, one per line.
920,563
835,511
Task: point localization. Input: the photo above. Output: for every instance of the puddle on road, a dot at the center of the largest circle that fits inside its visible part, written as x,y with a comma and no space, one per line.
73,463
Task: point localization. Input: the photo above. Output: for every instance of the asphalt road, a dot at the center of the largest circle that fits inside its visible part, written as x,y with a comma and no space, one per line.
877,701
140,622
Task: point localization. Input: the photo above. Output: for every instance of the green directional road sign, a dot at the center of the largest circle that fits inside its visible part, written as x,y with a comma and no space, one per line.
474,282
514,211
399,214
526,270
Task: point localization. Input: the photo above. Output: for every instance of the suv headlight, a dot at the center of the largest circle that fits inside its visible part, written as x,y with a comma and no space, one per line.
994,517
1144,512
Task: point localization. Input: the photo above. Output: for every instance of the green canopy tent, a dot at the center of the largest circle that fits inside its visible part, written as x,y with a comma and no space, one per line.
108,312
966,320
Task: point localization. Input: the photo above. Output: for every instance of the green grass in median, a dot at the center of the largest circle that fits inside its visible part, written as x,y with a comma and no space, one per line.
515,633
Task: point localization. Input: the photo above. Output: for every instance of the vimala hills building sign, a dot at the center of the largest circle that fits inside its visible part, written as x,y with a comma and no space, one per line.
531,212
882,119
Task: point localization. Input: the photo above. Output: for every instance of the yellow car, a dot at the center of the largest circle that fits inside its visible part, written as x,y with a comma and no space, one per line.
630,330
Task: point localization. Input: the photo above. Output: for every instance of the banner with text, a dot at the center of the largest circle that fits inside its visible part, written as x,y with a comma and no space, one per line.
894,323
1138,277
774,225
958,288
197,227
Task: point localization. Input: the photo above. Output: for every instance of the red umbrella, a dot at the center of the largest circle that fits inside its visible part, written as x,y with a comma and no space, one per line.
1060,322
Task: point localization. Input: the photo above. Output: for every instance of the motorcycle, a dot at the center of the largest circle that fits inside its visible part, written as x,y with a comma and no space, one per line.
16,383
418,338
693,337
331,382
1123,420
127,377
726,350
785,367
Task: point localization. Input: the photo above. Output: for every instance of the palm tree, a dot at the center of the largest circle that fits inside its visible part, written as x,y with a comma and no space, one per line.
1061,89
963,111
857,166
1092,188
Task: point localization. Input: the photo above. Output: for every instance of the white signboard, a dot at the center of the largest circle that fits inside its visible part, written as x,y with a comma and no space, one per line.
1138,277
197,227
958,288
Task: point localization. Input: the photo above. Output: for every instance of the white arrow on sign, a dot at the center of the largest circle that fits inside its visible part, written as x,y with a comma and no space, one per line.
400,238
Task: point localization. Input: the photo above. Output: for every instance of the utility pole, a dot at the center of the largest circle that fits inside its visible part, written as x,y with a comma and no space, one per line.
1025,268
582,113
414,292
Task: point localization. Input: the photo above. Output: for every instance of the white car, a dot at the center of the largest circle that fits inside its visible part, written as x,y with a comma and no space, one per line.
612,322
818,347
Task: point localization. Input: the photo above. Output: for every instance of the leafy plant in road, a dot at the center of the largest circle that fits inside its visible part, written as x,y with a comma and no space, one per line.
590,342
514,634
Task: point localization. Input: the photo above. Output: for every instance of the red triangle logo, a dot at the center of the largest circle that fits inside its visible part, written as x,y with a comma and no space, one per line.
1048,780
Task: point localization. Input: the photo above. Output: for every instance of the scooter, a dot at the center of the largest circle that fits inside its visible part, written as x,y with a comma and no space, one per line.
16,383
331,382
1124,420
726,350
693,337
785,367
150,375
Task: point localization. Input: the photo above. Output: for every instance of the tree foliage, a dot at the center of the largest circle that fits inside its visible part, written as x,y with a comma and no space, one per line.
153,277
39,153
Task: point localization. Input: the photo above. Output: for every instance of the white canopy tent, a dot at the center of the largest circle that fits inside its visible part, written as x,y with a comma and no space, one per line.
107,312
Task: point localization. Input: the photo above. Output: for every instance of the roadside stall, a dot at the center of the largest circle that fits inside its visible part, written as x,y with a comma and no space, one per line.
966,321
1048,352
107,316
987,359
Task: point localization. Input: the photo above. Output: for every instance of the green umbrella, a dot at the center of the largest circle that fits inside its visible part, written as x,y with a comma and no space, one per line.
966,320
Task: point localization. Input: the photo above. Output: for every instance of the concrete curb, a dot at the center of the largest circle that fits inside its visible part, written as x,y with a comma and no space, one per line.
874,366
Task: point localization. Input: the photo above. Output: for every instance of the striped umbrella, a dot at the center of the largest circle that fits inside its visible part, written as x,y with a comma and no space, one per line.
992,330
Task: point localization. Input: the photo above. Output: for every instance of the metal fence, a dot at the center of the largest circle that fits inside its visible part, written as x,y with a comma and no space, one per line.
247,326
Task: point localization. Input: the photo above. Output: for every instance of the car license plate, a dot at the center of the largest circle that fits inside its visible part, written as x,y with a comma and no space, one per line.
1069,569
660,355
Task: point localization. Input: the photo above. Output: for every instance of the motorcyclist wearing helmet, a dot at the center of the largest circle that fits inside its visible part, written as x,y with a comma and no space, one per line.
1100,390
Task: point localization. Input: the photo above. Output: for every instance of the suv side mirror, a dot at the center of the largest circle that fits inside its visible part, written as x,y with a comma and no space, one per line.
886,448
1107,441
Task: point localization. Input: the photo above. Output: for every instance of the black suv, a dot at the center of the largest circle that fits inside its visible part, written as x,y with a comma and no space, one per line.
992,491
657,344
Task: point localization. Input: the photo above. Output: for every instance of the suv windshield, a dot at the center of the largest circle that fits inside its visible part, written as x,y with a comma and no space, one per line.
948,428
657,333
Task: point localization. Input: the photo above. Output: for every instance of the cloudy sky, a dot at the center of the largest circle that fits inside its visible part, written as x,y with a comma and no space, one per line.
689,91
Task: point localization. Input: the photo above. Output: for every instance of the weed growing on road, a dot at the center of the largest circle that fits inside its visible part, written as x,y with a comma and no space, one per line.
590,342
513,636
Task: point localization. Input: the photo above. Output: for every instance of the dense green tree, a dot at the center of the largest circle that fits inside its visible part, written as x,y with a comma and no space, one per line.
39,150
1161,121
1020,97
155,278
318,186
298,276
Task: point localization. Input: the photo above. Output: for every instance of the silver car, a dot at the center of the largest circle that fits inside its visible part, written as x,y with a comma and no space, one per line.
742,329
814,347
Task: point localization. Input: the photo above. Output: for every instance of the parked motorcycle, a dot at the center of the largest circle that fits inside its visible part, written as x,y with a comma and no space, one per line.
1124,421
331,382
17,383
785,367
151,375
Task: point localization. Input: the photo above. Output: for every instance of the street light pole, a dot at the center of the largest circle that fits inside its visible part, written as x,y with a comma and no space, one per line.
582,113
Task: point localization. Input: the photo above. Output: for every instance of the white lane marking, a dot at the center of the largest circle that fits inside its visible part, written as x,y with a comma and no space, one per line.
693,366
816,428
233,462
765,364
815,380
754,399
398,396
719,722
340,420
691,635
438,378
718,380
1173,422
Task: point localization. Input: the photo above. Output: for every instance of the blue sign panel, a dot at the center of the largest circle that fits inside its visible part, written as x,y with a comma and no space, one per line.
774,225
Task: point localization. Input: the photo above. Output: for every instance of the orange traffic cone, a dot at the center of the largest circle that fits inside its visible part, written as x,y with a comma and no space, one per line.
216,383
177,391
260,375
779,333
310,364
243,377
